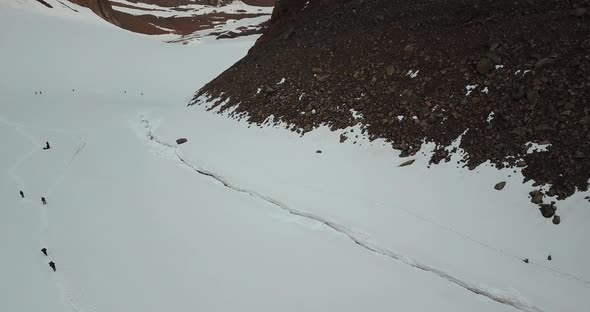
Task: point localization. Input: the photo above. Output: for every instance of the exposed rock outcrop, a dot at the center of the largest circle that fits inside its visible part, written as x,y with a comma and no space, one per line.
152,24
500,74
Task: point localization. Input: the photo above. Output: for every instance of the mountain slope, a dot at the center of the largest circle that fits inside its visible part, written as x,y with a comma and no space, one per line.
511,78
183,20
240,218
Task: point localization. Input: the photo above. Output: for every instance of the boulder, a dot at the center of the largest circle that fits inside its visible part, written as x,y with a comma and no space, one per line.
500,185
407,163
343,138
484,66
548,210
181,141
536,197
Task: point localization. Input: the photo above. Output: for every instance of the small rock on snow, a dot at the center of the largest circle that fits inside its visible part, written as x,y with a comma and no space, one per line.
500,185
407,163
548,211
343,138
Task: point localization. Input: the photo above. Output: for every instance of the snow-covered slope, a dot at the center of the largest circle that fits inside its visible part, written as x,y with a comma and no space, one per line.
238,218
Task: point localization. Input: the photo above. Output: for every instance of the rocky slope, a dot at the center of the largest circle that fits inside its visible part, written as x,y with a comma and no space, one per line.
511,79
185,19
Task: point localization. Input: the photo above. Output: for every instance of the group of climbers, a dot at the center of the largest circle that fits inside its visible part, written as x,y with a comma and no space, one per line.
43,202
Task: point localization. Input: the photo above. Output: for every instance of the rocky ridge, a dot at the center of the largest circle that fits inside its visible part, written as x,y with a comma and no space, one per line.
512,79
177,17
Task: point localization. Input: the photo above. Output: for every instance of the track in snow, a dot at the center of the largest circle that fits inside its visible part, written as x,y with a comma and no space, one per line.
364,243
58,278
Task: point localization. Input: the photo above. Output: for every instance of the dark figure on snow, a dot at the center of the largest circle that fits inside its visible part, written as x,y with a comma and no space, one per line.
35,92
52,265
43,201
47,146
44,251
40,92
22,194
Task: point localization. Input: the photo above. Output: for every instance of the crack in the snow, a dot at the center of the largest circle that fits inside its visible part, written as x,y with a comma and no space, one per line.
479,290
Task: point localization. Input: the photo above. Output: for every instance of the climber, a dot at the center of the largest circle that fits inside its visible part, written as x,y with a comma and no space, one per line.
22,194
47,146
44,251
52,265
43,201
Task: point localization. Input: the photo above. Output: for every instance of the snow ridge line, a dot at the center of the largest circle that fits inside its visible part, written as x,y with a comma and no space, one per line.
476,289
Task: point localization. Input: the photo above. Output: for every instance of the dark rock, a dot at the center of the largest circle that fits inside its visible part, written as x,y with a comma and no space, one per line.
579,12
494,46
390,70
485,66
407,163
537,199
317,70
343,138
318,151
519,131
532,97
475,100
549,257
500,185
521,164
409,48
544,62
585,121
518,94
494,57
288,34
556,220
525,260
547,210
181,141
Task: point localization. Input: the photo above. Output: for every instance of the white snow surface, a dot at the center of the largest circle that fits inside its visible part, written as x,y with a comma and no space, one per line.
240,218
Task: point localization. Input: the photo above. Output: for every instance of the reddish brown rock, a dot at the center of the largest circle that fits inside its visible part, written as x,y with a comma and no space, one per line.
154,25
